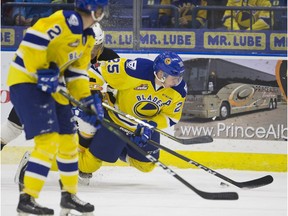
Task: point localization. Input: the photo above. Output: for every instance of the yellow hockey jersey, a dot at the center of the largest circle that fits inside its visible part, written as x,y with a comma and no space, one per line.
241,19
59,38
137,94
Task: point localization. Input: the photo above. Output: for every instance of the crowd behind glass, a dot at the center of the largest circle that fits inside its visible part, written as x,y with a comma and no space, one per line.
162,13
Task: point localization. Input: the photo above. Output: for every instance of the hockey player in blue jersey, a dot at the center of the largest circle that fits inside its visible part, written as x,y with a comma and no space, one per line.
153,91
55,52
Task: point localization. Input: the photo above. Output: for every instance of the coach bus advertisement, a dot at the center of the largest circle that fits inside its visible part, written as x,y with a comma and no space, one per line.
233,98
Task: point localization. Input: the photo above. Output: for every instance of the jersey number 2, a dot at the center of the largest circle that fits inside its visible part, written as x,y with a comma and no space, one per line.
178,106
54,31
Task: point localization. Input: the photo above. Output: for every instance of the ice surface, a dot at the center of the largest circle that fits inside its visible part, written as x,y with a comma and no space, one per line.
125,191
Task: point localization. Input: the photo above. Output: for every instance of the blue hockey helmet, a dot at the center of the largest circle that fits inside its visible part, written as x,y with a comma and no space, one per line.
90,5
170,63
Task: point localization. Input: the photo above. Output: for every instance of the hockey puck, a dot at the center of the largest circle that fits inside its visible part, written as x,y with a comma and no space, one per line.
222,184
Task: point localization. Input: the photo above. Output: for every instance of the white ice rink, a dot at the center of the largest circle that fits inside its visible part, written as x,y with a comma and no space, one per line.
124,191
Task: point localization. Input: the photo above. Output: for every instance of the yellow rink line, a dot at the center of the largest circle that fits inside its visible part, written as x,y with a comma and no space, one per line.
213,160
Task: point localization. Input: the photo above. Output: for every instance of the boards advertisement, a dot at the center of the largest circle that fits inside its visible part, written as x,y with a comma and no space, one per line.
244,114
202,41
234,99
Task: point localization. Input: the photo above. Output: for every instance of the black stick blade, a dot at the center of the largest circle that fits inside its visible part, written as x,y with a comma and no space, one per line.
219,196
197,140
256,182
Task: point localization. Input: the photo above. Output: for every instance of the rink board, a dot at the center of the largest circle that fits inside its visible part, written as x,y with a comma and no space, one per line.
213,160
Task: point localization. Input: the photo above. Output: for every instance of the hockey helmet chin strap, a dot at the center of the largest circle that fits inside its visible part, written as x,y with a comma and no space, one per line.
162,80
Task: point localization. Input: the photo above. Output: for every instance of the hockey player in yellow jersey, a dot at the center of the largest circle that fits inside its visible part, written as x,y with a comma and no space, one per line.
240,19
12,127
153,91
54,53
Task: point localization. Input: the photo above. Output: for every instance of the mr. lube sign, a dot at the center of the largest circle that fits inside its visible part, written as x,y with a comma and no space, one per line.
192,41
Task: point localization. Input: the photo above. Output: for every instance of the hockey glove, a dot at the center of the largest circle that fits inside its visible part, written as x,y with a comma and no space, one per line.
93,102
142,134
85,129
48,78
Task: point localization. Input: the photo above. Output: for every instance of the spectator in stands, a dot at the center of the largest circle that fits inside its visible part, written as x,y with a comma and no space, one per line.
241,19
6,13
214,17
27,16
185,7
121,14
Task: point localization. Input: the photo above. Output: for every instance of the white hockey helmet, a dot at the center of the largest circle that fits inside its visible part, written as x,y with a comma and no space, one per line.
99,34
99,41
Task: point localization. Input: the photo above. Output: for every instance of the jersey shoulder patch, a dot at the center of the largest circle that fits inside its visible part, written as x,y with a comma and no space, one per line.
140,68
73,21
132,64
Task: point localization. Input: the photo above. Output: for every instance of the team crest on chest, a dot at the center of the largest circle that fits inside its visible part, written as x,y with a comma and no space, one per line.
148,106
146,109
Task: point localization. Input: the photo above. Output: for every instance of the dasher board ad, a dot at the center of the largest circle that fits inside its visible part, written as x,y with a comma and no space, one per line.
235,98
200,41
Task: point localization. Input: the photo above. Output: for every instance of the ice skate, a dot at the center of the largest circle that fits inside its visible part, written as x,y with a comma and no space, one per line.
84,178
19,176
28,206
71,205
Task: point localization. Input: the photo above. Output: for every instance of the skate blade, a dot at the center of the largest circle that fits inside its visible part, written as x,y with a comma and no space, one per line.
84,181
28,214
22,214
72,212
23,161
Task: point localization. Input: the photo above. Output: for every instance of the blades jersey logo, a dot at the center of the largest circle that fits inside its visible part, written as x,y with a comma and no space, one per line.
146,109
148,106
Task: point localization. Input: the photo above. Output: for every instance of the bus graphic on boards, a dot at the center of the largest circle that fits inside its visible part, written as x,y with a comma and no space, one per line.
219,88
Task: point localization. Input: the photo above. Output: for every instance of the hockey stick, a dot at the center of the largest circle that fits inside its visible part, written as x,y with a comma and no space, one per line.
203,194
246,185
255,183
114,129
194,140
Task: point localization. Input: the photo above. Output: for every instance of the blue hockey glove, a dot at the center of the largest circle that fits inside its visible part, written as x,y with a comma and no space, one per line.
142,134
48,78
93,102
77,112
